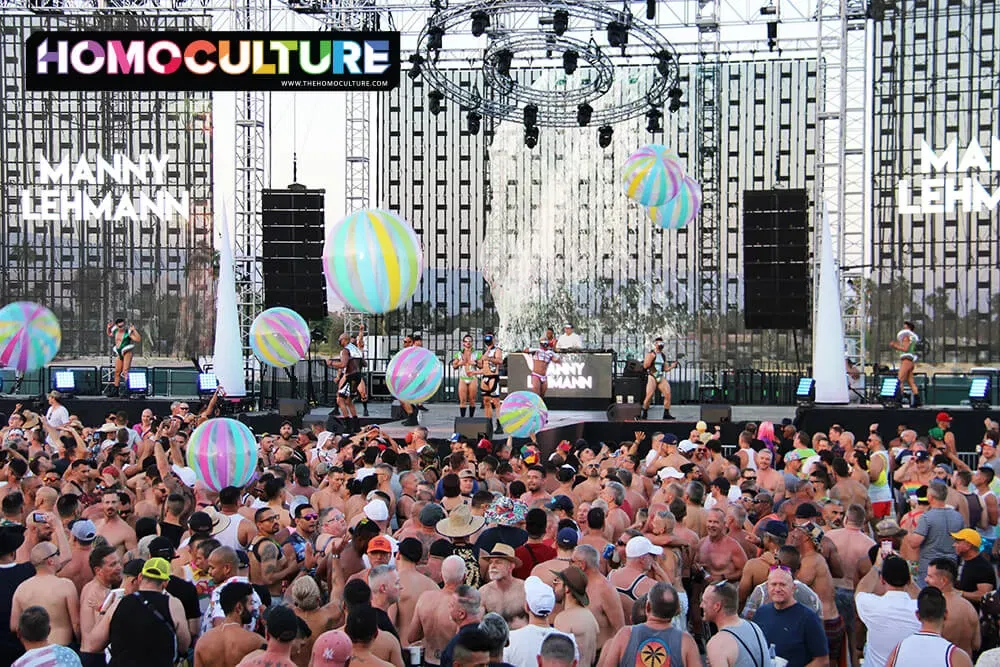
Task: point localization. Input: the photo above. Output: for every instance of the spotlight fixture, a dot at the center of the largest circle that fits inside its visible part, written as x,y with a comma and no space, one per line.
560,22
653,117
504,58
435,97
772,35
480,22
979,392
138,383
64,382
805,393
435,37
650,9
663,59
583,114
531,136
531,115
473,120
207,383
416,62
570,60
675,95
617,34
604,135
889,394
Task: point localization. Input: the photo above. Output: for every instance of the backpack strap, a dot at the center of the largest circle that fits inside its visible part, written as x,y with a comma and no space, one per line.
750,653
159,617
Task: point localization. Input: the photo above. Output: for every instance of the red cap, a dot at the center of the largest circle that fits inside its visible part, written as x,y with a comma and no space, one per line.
564,446
486,445
942,417
409,438
379,543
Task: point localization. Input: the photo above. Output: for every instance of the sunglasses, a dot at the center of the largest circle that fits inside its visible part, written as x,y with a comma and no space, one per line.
309,517
781,567
749,476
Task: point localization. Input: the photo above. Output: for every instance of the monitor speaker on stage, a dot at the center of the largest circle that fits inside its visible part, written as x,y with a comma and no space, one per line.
624,412
293,229
716,414
471,427
776,259
633,367
626,387
291,407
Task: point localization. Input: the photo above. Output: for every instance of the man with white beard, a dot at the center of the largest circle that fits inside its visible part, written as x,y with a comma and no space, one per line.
504,594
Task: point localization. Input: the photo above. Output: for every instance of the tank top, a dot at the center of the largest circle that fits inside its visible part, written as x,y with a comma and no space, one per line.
975,510
990,532
230,537
658,365
647,646
354,359
752,646
925,649
751,458
879,490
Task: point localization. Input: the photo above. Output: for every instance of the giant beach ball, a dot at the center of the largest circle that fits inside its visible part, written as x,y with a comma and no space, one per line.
222,452
29,336
680,211
522,414
652,175
372,261
414,375
279,337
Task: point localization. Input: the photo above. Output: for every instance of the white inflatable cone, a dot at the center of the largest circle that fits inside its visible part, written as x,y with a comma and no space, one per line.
829,369
228,361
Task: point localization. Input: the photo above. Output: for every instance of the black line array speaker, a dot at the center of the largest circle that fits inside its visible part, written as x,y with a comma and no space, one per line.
293,231
777,279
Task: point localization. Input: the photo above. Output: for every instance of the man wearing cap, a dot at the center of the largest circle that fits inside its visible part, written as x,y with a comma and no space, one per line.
570,588
976,576
773,535
639,572
107,571
566,540
568,339
183,590
503,594
82,534
227,644
332,649
815,573
282,628
379,552
933,534
149,628
890,617
525,643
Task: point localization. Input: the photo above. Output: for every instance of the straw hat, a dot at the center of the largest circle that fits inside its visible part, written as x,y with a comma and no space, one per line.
460,523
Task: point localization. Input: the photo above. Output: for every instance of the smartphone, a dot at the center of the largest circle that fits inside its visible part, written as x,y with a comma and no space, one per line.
114,595
38,517
886,548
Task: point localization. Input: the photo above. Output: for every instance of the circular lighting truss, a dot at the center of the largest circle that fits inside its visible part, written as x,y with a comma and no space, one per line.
563,24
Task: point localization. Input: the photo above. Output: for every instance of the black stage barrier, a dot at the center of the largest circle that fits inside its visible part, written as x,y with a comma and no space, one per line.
581,381
967,424
93,409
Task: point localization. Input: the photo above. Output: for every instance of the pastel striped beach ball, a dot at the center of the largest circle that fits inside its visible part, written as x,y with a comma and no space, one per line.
372,261
523,413
652,175
222,452
29,336
681,210
279,337
414,375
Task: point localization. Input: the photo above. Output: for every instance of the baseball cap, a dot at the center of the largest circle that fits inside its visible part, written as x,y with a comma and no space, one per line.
322,469
161,547
411,549
441,548
430,514
921,456
561,502
671,472
465,473
776,528
670,438
282,623
968,535
200,523
540,597
84,531
567,538
379,543
454,437
332,649
942,417
377,511
686,446
806,511
156,568
641,546
576,583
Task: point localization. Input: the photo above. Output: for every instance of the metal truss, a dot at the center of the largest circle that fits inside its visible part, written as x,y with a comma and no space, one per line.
840,178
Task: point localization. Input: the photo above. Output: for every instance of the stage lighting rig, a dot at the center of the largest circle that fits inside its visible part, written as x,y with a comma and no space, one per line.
560,22
675,96
434,99
890,394
435,38
979,392
138,383
805,393
653,117
531,136
663,60
480,22
416,63
530,116
473,120
617,34
584,113
604,135
64,382
570,61
504,58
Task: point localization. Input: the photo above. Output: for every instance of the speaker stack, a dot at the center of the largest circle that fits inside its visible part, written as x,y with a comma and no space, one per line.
293,230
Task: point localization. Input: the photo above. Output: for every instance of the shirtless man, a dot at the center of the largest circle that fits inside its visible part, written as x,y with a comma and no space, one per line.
362,628
125,337
961,623
616,520
414,583
638,574
570,588
307,602
815,573
756,570
540,360
604,602
847,490
282,630
718,553
270,562
852,547
225,645
533,482
432,621
107,569
694,498
667,457
589,490
331,495
119,534
504,594
78,570
348,362
768,478
45,589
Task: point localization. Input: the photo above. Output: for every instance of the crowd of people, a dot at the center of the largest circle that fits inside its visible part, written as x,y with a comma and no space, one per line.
784,547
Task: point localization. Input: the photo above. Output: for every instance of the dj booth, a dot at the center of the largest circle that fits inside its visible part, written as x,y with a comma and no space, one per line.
582,380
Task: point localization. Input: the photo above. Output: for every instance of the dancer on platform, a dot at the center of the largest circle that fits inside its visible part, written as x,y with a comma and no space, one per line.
349,363
359,346
410,410
906,344
126,336
489,377
466,361
540,360
657,366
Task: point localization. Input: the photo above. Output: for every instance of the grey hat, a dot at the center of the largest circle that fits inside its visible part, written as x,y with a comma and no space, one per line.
431,513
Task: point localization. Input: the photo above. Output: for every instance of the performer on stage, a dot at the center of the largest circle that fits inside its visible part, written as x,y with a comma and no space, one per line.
410,410
349,365
540,360
906,344
657,366
359,346
466,362
125,336
490,362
